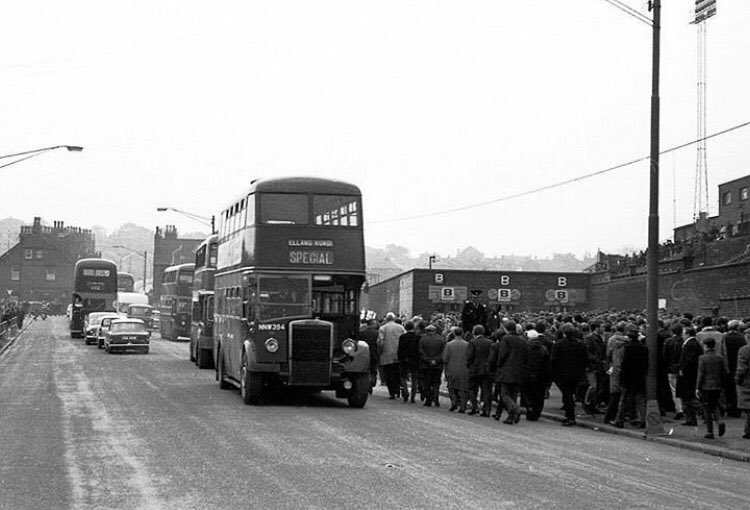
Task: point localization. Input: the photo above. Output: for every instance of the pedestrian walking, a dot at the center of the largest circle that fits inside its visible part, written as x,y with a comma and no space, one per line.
537,376
633,378
568,361
456,371
480,378
408,355
615,346
742,378
431,346
687,382
734,341
711,376
388,337
508,361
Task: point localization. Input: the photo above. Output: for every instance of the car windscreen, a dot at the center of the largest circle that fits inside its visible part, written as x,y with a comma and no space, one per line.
140,310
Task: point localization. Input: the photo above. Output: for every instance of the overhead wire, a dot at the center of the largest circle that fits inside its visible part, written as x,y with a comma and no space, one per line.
632,12
558,184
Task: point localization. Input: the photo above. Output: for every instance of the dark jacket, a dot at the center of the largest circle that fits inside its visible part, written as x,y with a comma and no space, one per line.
431,347
370,336
538,364
478,356
408,349
711,371
597,353
742,378
733,341
634,366
672,352
508,359
569,361
691,351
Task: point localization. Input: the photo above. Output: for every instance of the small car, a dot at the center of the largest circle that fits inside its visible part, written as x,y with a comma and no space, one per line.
127,335
91,326
103,327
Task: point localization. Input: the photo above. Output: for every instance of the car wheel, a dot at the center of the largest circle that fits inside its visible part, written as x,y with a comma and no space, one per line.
251,385
220,372
357,397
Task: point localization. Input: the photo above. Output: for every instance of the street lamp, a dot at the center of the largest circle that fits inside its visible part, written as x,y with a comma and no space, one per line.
23,156
209,222
433,258
654,425
134,252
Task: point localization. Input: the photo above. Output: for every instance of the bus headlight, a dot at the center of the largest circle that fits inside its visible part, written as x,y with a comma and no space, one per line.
349,346
272,345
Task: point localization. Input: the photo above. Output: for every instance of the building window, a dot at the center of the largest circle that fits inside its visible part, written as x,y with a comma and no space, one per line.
28,253
726,199
38,254
15,274
743,193
50,274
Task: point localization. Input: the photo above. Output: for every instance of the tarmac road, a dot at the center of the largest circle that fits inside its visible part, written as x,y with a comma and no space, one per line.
83,429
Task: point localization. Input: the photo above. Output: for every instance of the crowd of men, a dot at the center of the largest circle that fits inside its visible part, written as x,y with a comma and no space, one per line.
598,359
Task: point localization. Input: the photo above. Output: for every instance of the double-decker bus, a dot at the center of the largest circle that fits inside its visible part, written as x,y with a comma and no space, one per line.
175,301
94,290
201,331
291,263
125,281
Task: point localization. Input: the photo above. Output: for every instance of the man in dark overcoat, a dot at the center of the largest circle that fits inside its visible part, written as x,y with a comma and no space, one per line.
478,363
692,350
537,376
431,346
508,361
569,361
711,376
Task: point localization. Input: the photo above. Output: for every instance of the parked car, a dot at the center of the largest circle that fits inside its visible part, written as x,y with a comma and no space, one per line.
104,327
91,325
127,335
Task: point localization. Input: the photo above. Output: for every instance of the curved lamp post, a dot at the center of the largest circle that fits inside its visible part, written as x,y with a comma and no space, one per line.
209,222
23,156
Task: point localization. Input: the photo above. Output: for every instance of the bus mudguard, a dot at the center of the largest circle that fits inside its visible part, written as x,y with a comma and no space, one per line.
359,360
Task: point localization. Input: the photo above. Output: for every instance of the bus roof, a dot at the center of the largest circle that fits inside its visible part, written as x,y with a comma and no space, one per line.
95,262
315,185
181,267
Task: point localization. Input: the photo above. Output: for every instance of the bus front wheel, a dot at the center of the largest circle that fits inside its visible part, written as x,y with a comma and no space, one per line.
360,391
251,385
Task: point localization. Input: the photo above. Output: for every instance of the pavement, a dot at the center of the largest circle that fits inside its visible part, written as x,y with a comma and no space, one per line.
730,446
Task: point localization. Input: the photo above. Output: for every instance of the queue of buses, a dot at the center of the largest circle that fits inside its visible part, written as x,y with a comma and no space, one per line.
272,298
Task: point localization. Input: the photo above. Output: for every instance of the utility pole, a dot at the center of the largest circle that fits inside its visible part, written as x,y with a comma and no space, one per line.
654,425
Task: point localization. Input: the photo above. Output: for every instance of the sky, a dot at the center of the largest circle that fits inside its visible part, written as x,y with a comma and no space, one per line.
426,105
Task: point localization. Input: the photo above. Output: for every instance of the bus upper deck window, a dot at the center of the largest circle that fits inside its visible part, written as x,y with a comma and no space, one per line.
283,209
